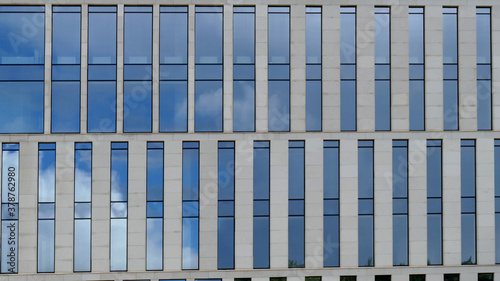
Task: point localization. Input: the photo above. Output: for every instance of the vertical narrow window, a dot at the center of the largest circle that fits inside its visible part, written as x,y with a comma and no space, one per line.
497,201
66,44
137,69
22,58
243,69
400,202
382,68
468,186
173,68
483,41
279,69
119,206
10,207
261,192
434,203
46,205
83,206
417,85
190,204
331,227
313,69
348,68
225,230
154,206
296,204
365,203
208,69
101,92
450,68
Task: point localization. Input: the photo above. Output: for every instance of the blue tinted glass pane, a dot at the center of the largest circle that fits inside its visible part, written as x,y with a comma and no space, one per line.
497,167
242,9
279,38
22,38
154,244
21,72
382,38
173,72
365,168
365,206
468,238
468,171
261,242
434,173
497,238
450,105
190,174
279,72
226,208
65,72
296,178
296,242
138,9
46,211
208,38
21,107
173,106
101,113
331,244
244,71
416,40
484,71
348,105
261,208
348,71
468,205
154,175
102,38
296,207
118,247
225,243
331,172
261,173
383,105
82,245
208,106
137,107
243,38
365,241
331,207
119,175
137,72
348,38
190,243
208,72
65,107
382,71
434,240
138,37
279,106
483,38
226,174
450,38
313,38
400,206
46,175
66,38
313,106
434,205
119,210
83,210
243,106
400,239
46,246
101,72
190,209
102,9
484,104
417,71
400,171
154,210
173,37
417,105
313,71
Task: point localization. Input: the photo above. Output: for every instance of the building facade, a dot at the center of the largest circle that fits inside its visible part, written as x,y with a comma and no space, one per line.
262,140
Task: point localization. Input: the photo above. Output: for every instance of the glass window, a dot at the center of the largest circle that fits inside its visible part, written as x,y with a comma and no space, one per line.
365,203
101,92
208,69
243,69
417,88
261,193
452,277
497,201
154,206
225,231
434,203
119,206
485,277
173,68
313,69
382,69
417,277
347,278
10,207
190,204
279,69
450,68
468,204
400,202
83,207
331,227
296,201
382,278
348,68
22,53
46,205
483,41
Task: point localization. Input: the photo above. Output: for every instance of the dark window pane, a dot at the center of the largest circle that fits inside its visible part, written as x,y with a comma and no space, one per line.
485,277
383,105
21,72
365,168
400,171
365,240
296,242
190,174
468,170
468,238
65,107
452,277
65,72
484,104
434,240
331,172
417,105
261,173
348,105
313,106
417,277
226,174
400,239
101,113
450,104
296,177
331,252
261,242
225,243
